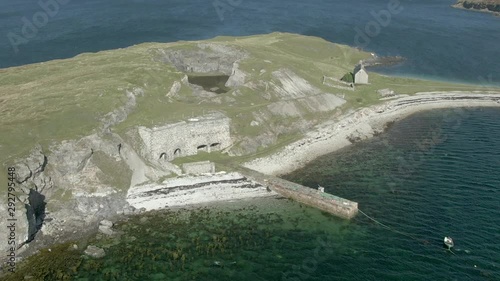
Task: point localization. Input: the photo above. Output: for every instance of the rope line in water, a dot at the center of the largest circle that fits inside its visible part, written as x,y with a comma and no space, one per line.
391,229
397,231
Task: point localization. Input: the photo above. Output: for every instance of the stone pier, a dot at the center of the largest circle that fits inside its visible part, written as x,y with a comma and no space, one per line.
312,197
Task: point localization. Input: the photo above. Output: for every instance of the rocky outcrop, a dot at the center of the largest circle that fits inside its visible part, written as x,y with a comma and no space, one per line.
292,99
286,84
294,92
71,185
105,227
30,210
480,5
174,90
63,188
195,190
237,77
120,114
205,58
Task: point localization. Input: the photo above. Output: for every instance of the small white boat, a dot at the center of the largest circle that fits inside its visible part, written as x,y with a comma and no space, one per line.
448,242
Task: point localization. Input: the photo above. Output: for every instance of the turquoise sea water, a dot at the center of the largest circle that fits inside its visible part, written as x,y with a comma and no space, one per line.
431,175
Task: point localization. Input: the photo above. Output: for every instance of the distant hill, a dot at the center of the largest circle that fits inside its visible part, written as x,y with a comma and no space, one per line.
480,5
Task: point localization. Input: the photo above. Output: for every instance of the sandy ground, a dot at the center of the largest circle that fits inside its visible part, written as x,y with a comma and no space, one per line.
365,123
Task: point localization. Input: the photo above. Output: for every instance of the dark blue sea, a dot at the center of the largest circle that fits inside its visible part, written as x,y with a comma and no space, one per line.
433,174
438,41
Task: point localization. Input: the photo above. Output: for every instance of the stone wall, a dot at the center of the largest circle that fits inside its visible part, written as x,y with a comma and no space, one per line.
205,58
326,202
208,133
338,84
197,168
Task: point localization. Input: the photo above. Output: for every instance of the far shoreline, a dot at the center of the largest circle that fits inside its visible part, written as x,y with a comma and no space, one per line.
481,82
461,7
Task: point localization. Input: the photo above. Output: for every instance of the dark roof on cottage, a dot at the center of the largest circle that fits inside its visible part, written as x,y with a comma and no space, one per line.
358,68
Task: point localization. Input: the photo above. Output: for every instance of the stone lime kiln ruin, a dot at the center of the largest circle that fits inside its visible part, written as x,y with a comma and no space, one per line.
208,133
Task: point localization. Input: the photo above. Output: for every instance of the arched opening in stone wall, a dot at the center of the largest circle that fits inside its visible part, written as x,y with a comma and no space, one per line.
202,148
163,156
215,146
177,152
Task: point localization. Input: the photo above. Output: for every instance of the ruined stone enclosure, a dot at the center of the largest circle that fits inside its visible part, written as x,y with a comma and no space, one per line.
205,134
212,66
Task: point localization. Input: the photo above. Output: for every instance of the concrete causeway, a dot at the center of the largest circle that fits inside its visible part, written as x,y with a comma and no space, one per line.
332,204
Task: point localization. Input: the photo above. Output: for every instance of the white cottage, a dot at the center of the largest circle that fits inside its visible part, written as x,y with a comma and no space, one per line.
360,74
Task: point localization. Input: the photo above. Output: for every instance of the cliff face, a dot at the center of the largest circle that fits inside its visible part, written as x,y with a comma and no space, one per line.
481,5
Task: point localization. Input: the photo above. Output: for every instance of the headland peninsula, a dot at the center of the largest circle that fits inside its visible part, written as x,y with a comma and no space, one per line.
105,135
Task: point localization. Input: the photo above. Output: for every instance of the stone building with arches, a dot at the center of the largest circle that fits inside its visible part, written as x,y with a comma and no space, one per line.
204,134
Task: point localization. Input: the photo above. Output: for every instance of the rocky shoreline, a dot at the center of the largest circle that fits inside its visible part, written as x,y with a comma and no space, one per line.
363,124
377,61
195,190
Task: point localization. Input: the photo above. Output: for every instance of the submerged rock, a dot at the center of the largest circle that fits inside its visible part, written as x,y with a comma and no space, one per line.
95,252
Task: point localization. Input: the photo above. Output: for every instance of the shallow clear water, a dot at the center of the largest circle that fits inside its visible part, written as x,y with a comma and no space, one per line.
440,42
432,175
251,240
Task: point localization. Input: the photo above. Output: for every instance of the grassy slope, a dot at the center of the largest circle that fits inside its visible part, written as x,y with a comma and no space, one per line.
65,99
